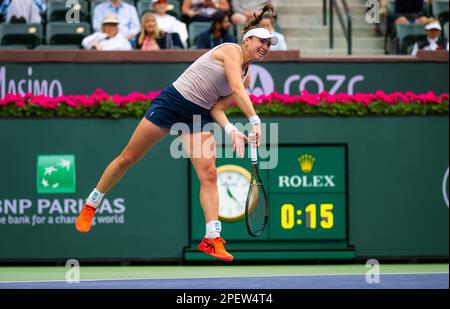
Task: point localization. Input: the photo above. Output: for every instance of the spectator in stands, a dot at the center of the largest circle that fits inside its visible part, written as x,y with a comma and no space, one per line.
243,10
160,8
268,22
409,11
152,38
202,10
383,10
23,11
433,41
168,23
109,38
127,14
218,33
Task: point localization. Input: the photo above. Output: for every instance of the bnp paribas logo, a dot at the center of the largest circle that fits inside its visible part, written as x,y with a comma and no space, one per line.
306,162
56,174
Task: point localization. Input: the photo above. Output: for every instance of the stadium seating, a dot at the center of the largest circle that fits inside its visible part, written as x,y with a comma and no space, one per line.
12,47
143,6
57,47
195,28
407,35
446,30
391,7
55,30
94,3
29,35
238,33
440,10
57,10
176,10
392,42
61,33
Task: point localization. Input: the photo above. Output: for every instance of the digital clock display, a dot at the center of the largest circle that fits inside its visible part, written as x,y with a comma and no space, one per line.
308,216
288,213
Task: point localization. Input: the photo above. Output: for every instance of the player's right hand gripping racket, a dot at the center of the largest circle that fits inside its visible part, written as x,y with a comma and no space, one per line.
256,206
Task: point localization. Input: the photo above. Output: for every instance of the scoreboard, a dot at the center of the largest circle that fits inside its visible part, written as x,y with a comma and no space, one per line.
308,194
308,209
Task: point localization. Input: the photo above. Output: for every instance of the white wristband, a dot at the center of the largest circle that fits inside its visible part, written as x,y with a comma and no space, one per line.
254,120
229,128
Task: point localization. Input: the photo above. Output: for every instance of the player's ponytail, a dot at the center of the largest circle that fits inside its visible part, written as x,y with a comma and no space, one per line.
266,10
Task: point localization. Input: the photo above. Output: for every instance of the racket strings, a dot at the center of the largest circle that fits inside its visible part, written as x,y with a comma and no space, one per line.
257,210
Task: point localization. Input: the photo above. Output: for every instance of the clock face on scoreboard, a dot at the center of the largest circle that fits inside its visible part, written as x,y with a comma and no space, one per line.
233,183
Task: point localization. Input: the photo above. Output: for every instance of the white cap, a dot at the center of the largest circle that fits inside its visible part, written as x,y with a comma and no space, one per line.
434,25
261,33
110,19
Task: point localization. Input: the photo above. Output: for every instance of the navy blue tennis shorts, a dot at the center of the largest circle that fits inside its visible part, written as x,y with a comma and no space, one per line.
170,107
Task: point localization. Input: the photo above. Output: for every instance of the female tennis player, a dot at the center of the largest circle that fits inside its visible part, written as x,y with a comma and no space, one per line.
207,88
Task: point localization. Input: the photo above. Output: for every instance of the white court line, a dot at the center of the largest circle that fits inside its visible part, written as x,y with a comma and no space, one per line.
226,277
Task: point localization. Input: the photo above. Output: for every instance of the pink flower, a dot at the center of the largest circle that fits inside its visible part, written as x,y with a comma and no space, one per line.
305,98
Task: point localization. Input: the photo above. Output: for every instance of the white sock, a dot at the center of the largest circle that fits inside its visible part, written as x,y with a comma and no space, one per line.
95,198
213,229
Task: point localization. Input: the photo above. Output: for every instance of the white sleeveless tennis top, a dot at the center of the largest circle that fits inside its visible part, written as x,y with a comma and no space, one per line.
205,81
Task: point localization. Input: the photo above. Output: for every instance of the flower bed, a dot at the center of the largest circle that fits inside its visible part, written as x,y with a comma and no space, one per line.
103,105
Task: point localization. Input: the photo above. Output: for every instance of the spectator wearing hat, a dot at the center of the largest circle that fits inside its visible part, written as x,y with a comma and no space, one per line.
127,14
202,10
109,38
160,8
218,33
168,23
433,41
268,22
23,11
152,38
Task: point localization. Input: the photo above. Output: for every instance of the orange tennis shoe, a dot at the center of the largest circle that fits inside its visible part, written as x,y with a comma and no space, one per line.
215,247
84,220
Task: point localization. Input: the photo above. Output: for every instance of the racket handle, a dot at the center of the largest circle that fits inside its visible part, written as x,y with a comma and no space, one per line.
254,153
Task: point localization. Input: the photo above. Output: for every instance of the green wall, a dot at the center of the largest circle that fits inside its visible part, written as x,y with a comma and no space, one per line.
291,77
155,219
395,171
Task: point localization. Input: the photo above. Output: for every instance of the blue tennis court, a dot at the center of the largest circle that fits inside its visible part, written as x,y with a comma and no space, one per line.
233,277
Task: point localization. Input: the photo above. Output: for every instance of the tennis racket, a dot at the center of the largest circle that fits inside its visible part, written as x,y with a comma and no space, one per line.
256,206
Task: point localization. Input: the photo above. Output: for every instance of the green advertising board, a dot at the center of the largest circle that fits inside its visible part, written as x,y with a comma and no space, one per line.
370,187
50,167
56,79
307,193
